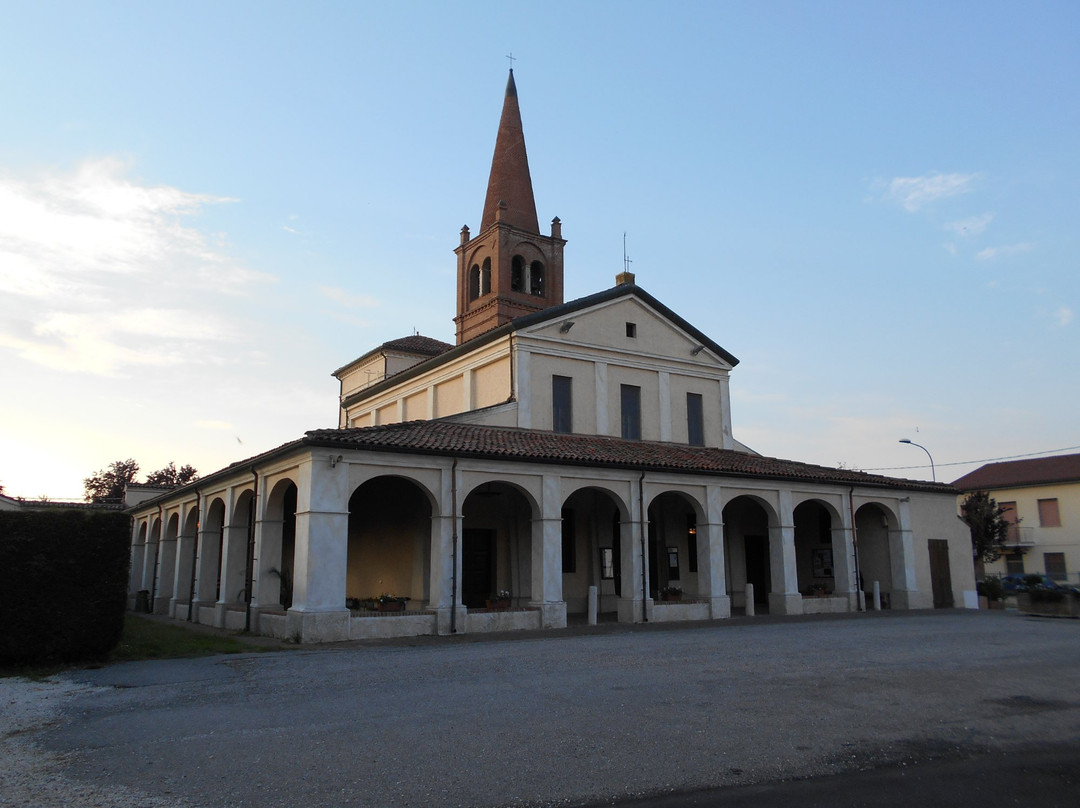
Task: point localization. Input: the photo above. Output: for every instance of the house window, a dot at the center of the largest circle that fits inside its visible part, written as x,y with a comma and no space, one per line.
631,411
1014,564
607,563
691,543
1048,513
561,410
695,420
1008,513
631,330
569,545
1055,566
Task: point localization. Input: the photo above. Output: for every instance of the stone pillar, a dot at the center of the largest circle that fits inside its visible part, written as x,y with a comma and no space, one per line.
843,547
905,588
206,564
138,556
546,559
318,613
444,581
712,566
233,559
166,574
185,566
635,605
784,597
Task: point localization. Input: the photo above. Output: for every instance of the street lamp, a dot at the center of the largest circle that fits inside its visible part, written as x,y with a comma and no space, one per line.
933,473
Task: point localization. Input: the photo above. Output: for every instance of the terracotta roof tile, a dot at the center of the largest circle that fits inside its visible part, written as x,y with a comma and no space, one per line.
417,344
527,445
1012,473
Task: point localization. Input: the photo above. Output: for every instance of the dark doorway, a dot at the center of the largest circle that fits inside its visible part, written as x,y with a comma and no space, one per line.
757,566
477,566
940,576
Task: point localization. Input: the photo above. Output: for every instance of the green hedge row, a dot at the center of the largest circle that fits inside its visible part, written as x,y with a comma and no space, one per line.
63,584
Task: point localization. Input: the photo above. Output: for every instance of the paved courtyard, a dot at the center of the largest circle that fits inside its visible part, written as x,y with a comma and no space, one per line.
555,719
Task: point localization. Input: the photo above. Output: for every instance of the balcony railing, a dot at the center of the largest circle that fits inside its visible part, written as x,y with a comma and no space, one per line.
1019,536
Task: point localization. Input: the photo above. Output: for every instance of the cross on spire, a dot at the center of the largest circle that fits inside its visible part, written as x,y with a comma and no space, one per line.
512,59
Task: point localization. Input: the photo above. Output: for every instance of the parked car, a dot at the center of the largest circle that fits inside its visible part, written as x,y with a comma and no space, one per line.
1021,582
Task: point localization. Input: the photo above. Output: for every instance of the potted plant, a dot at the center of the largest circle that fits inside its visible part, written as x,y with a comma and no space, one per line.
671,593
390,603
499,600
991,593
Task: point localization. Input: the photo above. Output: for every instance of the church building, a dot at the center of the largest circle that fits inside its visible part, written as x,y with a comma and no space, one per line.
561,460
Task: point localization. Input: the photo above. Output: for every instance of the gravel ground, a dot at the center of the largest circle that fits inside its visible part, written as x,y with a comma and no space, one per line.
559,719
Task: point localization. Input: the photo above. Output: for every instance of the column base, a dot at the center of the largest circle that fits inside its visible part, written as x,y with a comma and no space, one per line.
779,603
309,627
443,621
631,610
719,607
552,615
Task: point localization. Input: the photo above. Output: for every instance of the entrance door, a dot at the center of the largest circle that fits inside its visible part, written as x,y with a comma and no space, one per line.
477,566
940,577
757,566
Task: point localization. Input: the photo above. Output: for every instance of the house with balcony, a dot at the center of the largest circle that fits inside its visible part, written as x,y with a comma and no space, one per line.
1041,501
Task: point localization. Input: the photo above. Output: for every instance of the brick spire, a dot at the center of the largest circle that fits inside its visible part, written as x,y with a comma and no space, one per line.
509,180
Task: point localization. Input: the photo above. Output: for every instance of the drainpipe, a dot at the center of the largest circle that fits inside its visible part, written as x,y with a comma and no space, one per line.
194,558
250,582
854,545
454,544
644,548
157,557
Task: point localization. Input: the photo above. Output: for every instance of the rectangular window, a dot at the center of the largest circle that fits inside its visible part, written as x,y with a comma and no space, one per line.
691,543
1014,564
569,545
673,563
695,420
631,411
607,563
631,330
1048,513
1055,566
562,419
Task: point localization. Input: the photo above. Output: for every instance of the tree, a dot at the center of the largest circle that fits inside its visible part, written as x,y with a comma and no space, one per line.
108,484
986,521
171,477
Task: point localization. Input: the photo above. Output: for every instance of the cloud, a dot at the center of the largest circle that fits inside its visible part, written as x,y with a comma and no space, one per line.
972,226
990,253
348,299
101,274
220,426
1063,315
916,192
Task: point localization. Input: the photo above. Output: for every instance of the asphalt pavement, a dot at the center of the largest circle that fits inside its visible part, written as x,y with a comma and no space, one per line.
845,710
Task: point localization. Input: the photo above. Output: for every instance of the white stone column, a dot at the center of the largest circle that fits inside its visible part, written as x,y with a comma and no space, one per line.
784,597
185,565
206,564
138,555
843,549
634,604
905,587
546,558
233,559
712,566
318,613
444,580
166,573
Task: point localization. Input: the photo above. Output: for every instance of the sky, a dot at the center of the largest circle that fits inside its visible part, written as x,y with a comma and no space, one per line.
207,207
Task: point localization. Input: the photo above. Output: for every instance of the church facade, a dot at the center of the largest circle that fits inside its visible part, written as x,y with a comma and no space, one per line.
561,459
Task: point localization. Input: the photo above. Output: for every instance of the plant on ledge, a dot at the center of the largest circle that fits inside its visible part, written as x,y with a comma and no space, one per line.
671,593
390,603
499,600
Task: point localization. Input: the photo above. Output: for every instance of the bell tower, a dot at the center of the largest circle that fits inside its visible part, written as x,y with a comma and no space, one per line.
509,269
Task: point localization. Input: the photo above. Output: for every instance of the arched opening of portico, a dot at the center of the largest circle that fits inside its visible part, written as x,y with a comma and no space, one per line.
872,524
814,549
138,559
153,558
166,571
746,545
237,551
389,544
185,561
496,545
278,547
592,550
673,549
211,543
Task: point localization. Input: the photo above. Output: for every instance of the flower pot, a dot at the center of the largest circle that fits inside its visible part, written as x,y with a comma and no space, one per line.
390,606
501,604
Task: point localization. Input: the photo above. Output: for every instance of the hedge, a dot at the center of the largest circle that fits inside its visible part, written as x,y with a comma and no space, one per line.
63,584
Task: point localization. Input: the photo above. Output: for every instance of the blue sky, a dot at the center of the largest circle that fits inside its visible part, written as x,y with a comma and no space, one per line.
205,208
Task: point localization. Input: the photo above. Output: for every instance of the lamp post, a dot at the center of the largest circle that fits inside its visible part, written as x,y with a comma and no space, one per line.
933,472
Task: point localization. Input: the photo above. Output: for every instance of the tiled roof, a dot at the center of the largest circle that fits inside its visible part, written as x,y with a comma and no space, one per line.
418,344
1013,473
536,446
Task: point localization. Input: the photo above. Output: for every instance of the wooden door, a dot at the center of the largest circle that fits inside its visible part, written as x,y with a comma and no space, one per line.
940,576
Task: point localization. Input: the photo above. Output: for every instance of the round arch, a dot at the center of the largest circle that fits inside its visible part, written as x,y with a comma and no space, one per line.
748,520
673,517
593,547
277,548
875,527
497,519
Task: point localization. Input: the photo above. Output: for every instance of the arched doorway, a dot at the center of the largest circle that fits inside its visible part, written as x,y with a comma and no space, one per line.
872,528
496,545
673,548
389,543
814,549
746,543
277,548
592,550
